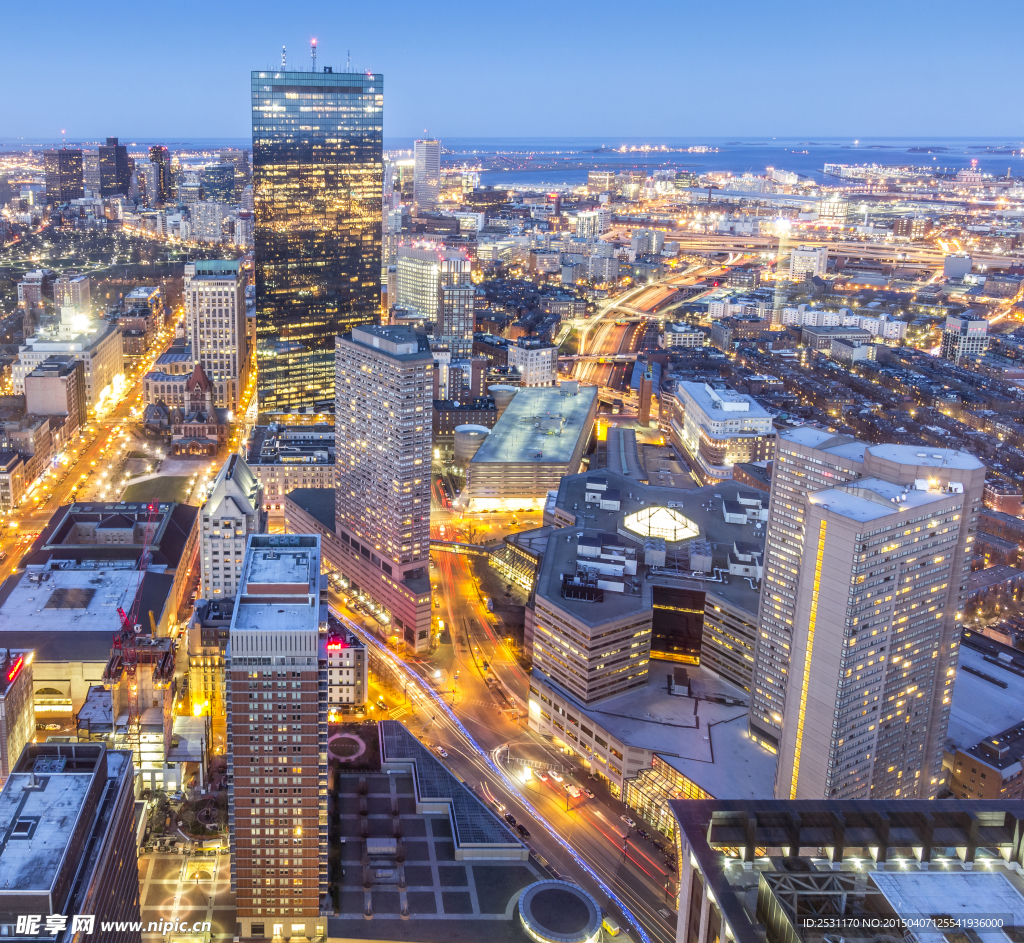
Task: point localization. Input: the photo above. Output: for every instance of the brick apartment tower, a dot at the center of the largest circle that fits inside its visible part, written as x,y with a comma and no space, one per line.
277,740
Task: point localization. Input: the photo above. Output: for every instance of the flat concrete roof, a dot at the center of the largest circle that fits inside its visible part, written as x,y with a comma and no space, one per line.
280,565
988,694
929,457
70,601
871,499
702,506
702,737
541,426
723,404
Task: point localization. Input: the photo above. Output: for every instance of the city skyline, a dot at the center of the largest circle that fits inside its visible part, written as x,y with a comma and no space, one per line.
782,59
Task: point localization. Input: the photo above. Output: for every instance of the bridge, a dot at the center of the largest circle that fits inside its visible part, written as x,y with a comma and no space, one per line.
455,546
597,358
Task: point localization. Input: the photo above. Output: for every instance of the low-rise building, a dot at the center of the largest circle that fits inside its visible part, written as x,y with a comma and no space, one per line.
17,708
347,671
536,360
284,458
821,339
681,334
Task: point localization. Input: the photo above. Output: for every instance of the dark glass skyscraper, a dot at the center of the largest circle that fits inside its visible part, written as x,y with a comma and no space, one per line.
63,168
115,171
317,142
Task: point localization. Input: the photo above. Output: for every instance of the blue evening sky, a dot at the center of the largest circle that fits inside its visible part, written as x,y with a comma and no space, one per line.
150,71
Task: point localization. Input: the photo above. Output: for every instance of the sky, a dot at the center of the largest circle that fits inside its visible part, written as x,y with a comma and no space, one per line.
528,68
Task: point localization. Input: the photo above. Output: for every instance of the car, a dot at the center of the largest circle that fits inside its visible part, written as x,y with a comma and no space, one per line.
441,751
542,776
643,833
671,865
510,818
52,727
557,777
658,845
573,790
522,830
628,821
589,793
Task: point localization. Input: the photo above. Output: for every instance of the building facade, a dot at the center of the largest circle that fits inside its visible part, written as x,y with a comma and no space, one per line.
64,180
964,335
536,360
277,737
426,174
382,439
317,225
233,511
216,324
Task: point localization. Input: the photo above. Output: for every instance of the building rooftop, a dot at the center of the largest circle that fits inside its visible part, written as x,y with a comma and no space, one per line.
988,695
927,457
397,341
722,404
318,502
703,508
703,735
871,499
541,425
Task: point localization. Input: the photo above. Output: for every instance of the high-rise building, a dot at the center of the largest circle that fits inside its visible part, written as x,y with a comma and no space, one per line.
884,576
317,166
277,740
239,159
70,857
219,182
805,460
233,511
808,260
963,335
426,174
64,180
215,323
208,220
384,394
115,171
91,170
436,285
160,161
57,388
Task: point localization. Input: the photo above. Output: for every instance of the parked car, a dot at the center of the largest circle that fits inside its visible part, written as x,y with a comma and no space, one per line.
589,793
628,821
510,818
522,830
658,845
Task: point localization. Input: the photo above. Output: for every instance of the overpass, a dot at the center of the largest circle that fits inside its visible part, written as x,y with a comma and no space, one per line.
597,358
455,546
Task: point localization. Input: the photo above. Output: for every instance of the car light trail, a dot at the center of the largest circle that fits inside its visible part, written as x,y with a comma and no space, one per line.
496,770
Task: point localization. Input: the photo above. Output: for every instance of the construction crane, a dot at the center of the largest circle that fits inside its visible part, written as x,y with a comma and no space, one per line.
124,656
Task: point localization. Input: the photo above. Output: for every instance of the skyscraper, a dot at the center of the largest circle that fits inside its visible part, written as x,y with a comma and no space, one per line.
239,159
884,578
806,459
317,167
219,182
384,393
160,158
64,180
115,171
276,669
426,174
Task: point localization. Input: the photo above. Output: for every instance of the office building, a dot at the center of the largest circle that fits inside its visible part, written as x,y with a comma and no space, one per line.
808,261
540,436
384,393
456,317
347,671
647,241
160,161
12,479
277,794
536,360
57,388
91,170
98,344
871,673
216,325
70,860
239,159
807,462
17,709
680,334
717,427
752,871
233,511
218,182
115,171
426,175
73,291
418,281
600,181
317,272
64,180
964,335
284,458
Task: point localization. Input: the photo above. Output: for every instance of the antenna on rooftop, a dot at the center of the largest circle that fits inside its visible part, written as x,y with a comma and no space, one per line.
312,50
348,60
284,59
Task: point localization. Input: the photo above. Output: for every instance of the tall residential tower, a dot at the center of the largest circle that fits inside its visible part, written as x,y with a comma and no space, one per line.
426,174
382,444
317,168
